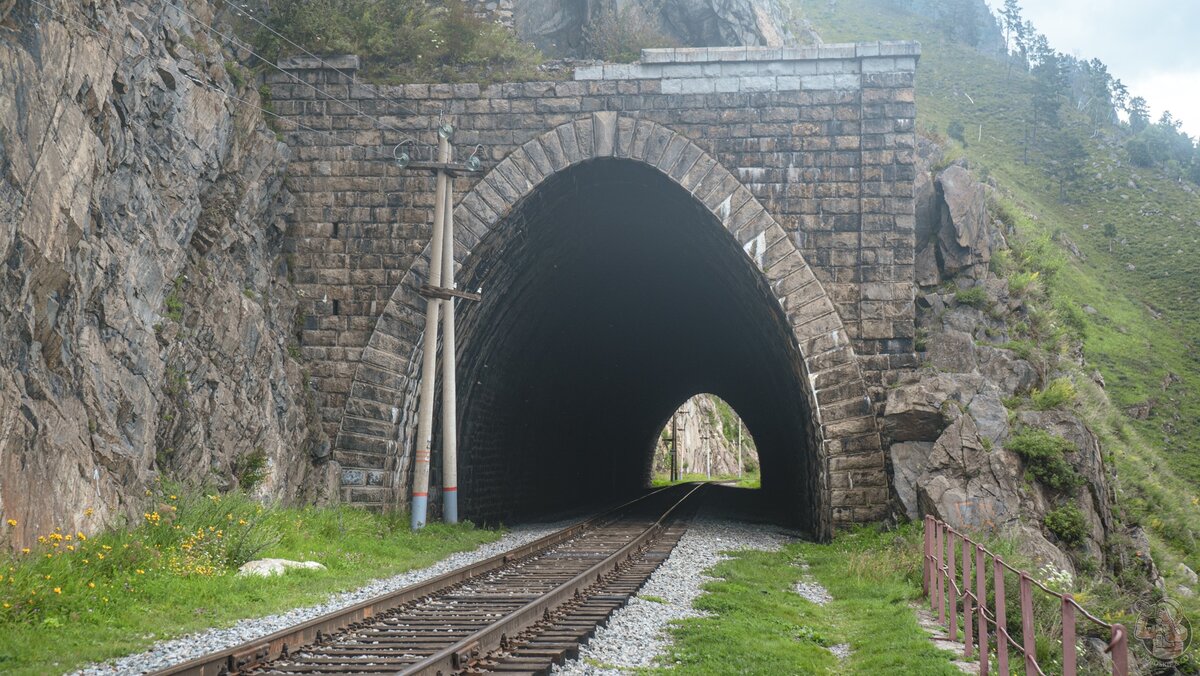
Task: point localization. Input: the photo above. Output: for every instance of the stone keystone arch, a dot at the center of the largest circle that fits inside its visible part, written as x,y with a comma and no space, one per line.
373,443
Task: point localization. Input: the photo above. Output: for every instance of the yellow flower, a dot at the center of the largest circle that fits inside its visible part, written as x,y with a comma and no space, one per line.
8,605
140,571
70,548
174,498
85,561
58,590
42,539
100,556
80,535
47,577
24,550
105,599
89,511
91,585
241,522
12,522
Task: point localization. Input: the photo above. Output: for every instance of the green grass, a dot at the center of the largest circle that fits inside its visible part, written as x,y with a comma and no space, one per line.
750,479
759,625
1141,277
121,591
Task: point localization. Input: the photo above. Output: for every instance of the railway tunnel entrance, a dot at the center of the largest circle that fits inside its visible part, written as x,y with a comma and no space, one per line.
622,270
611,296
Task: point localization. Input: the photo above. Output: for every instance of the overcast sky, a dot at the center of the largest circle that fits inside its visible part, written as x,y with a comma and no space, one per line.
1153,46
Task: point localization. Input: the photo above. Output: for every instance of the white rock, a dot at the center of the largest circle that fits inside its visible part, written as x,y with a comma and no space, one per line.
269,567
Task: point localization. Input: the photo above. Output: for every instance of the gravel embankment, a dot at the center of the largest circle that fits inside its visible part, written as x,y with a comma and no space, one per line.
636,634
174,651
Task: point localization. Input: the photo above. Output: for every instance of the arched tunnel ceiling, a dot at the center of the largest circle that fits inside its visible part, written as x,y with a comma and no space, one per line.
610,297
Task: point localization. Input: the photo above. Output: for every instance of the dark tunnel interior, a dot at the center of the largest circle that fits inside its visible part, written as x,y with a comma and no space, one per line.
610,296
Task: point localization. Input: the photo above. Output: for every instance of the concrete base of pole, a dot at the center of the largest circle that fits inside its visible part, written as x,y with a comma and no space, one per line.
450,504
420,504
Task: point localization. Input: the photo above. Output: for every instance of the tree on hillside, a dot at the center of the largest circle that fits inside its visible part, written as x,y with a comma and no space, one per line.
1066,157
1049,87
1139,114
1014,27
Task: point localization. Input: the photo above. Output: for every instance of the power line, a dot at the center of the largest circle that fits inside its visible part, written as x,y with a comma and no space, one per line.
297,79
323,62
69,19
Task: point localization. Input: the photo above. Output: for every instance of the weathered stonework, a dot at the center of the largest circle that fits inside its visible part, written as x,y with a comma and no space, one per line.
808,151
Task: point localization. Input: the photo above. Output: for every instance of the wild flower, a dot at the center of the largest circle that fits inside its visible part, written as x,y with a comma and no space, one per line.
12,522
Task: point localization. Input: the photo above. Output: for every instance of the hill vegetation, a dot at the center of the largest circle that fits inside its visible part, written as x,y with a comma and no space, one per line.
1103,219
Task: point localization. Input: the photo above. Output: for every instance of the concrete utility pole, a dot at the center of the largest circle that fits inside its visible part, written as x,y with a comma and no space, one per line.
449,366
420,488
439,294
674,449
739,448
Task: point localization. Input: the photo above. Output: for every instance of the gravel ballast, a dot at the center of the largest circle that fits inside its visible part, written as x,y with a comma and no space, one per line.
178,650
637,633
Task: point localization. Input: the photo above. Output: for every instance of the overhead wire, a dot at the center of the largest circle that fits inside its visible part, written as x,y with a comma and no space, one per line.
323,62
69,19
315,88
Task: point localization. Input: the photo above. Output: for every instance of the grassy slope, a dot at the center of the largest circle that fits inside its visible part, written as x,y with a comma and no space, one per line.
1158,460
121,591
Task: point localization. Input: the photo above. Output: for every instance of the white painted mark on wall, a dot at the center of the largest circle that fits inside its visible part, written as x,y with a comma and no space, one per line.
723,210
756,248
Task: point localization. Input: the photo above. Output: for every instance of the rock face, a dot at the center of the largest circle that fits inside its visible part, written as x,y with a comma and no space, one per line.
557,26
144,307
948,424
703,445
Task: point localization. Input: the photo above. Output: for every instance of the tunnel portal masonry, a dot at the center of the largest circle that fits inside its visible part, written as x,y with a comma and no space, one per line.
785,173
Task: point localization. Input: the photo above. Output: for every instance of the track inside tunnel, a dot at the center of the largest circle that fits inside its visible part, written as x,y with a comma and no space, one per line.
611,296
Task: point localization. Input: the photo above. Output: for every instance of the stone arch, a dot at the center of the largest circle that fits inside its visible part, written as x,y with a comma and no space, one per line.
373,439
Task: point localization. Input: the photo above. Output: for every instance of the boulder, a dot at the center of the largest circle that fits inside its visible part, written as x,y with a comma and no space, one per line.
952,351
963,236
1010,373
990,415
908,463
270,567
926,271
967,486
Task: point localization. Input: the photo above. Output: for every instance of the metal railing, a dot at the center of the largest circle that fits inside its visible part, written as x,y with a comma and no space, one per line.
944,546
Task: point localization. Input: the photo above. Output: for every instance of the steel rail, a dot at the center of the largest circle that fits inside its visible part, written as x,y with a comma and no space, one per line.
257,651
458,656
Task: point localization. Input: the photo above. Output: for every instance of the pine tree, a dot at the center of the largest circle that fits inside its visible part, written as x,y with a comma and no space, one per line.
1139,114
1010,16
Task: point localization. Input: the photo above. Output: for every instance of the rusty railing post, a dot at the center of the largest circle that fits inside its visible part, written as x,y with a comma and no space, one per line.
1027,639
950,577
1068,635
981,607
1001,620
1119,647
925,561
939,586
968,608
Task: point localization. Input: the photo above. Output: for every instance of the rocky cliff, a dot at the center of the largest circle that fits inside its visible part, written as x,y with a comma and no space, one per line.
974,438
706,440
557,27
145,316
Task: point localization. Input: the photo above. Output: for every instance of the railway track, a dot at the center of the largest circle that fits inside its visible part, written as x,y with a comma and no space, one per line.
517,613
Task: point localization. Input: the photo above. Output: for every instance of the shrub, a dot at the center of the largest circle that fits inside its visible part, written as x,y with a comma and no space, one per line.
957,131
1022,282
1059,392
975,296
1066,523
1044,453
399,39
621,35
